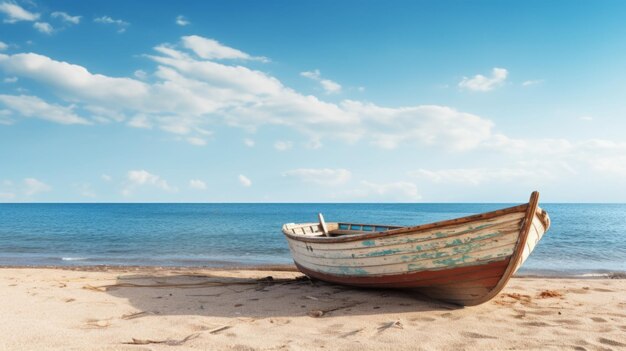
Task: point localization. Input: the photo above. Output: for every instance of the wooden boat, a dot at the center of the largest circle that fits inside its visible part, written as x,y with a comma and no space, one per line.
465,261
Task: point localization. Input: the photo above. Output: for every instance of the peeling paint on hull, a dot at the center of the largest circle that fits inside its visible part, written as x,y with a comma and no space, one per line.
460,261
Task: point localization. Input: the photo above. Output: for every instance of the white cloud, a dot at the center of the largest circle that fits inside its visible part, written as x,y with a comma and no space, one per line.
140,74
477,176
211,49
613,165
282,145
248,142
142,178
10,80
140,121
85,190
182,21
15,13
321,176
245,181
328,85
560,157
196,141
65,17
314,75
33,186
425,124
513,146
43,27
532,82
104,115
3,46
75,82
395,191
189,94
32,106
197,184
482,83
106,177
120,24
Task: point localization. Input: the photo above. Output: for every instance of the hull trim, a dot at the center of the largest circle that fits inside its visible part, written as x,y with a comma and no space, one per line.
454,279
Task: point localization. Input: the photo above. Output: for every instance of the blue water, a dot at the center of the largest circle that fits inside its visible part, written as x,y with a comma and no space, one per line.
584,238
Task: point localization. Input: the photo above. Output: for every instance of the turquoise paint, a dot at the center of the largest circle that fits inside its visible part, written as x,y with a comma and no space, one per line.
455,242
429,255
368,243
415,267
467,248
382,252
344,270
452,261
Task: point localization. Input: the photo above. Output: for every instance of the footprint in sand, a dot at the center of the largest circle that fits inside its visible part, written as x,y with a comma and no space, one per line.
96,324
603,290
579,291
542,313
567,321
477,336
520,314
351,333
610,342
536,324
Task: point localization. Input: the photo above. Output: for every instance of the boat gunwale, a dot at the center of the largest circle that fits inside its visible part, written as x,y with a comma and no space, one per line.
404,230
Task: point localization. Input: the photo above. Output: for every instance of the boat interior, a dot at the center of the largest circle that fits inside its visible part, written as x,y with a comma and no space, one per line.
332,229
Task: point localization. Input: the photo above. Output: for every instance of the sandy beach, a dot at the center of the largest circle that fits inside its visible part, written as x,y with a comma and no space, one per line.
207,309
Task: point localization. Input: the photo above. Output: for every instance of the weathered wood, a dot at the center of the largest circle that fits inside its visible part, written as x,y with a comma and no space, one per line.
323,224
403,230
465,261
425,236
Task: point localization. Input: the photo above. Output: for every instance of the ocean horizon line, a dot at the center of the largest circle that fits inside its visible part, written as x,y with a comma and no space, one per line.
311,203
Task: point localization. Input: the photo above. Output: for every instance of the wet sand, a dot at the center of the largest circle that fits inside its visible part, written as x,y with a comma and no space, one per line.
218,309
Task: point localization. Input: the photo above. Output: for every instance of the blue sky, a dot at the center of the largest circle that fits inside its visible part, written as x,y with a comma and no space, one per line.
293,101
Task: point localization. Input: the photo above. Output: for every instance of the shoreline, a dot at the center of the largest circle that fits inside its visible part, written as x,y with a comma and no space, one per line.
549,274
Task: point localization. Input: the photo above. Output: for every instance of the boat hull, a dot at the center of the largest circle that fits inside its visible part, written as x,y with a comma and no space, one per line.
465,261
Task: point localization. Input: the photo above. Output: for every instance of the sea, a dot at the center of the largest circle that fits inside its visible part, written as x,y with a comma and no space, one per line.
584,239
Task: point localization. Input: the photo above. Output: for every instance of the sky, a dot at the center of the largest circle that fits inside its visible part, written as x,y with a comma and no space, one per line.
312,101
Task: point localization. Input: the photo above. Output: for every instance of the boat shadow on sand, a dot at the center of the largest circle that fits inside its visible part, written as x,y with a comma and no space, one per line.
260,296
